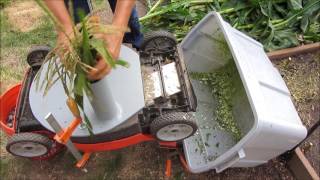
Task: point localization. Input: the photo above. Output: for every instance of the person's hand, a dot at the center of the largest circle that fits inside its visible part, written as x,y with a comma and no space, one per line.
102,68
64,38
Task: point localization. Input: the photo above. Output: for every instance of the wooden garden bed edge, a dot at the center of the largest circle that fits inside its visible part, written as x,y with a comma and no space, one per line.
301,167
293,51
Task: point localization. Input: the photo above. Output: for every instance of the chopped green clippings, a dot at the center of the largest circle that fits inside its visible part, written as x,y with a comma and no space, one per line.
207,136
221,84
211,158
200,146
217,145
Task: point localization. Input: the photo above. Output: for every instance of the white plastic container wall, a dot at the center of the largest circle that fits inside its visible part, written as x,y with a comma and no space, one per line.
262,108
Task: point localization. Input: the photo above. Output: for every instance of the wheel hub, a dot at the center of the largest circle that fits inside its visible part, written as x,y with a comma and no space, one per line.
28,149
174,132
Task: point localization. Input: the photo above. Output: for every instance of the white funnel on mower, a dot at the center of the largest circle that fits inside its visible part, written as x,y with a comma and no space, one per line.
117,97
103,102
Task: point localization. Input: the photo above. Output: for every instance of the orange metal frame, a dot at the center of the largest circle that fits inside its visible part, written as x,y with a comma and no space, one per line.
9,100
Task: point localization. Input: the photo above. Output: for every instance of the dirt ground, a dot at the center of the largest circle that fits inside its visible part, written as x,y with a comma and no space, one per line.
302,75
143,161
20,12
147,160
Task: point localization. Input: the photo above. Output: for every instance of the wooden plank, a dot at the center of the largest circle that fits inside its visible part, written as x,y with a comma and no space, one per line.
301,167
293,51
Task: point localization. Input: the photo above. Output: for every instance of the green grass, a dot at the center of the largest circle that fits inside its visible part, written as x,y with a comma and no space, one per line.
3,168
43,34
15,46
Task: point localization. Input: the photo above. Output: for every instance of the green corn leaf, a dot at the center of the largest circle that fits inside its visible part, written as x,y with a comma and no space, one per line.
263,9
87,55
88,124
100,47
79,83
86,121
79,100
244,15
229,4
315,28
280,9
292,17
165,9
122,63
271,33
304,23
89,91
296,4
283,39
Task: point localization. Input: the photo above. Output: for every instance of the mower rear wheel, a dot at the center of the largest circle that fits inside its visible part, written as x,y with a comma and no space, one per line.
175,126
37,55
29,145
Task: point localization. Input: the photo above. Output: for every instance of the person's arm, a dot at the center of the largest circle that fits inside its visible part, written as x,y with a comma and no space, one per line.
121,18
123,12
60,11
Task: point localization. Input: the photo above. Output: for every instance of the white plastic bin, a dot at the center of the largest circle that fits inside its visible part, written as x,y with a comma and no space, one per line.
262,105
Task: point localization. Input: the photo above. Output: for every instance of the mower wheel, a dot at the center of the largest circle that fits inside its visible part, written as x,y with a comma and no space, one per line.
174,126
29,145
158,42
37,55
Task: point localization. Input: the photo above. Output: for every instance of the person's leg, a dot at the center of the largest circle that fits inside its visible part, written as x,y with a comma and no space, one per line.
135,37
84,5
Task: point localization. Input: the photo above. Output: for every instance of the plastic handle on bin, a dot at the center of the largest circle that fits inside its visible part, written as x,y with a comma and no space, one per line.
232,161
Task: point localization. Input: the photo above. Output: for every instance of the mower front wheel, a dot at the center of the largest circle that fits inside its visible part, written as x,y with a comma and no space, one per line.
29,145
175,126
158,42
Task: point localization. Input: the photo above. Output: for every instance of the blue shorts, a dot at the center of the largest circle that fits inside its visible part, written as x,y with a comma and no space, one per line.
134,37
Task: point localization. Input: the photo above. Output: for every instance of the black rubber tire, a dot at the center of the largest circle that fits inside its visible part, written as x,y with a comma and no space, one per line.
29,137
173,118
37,55
151,36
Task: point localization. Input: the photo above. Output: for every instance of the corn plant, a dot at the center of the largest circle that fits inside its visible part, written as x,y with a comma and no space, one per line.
70,63
276,24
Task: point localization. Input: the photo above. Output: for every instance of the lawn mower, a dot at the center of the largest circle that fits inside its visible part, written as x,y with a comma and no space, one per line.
158,106
156,100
